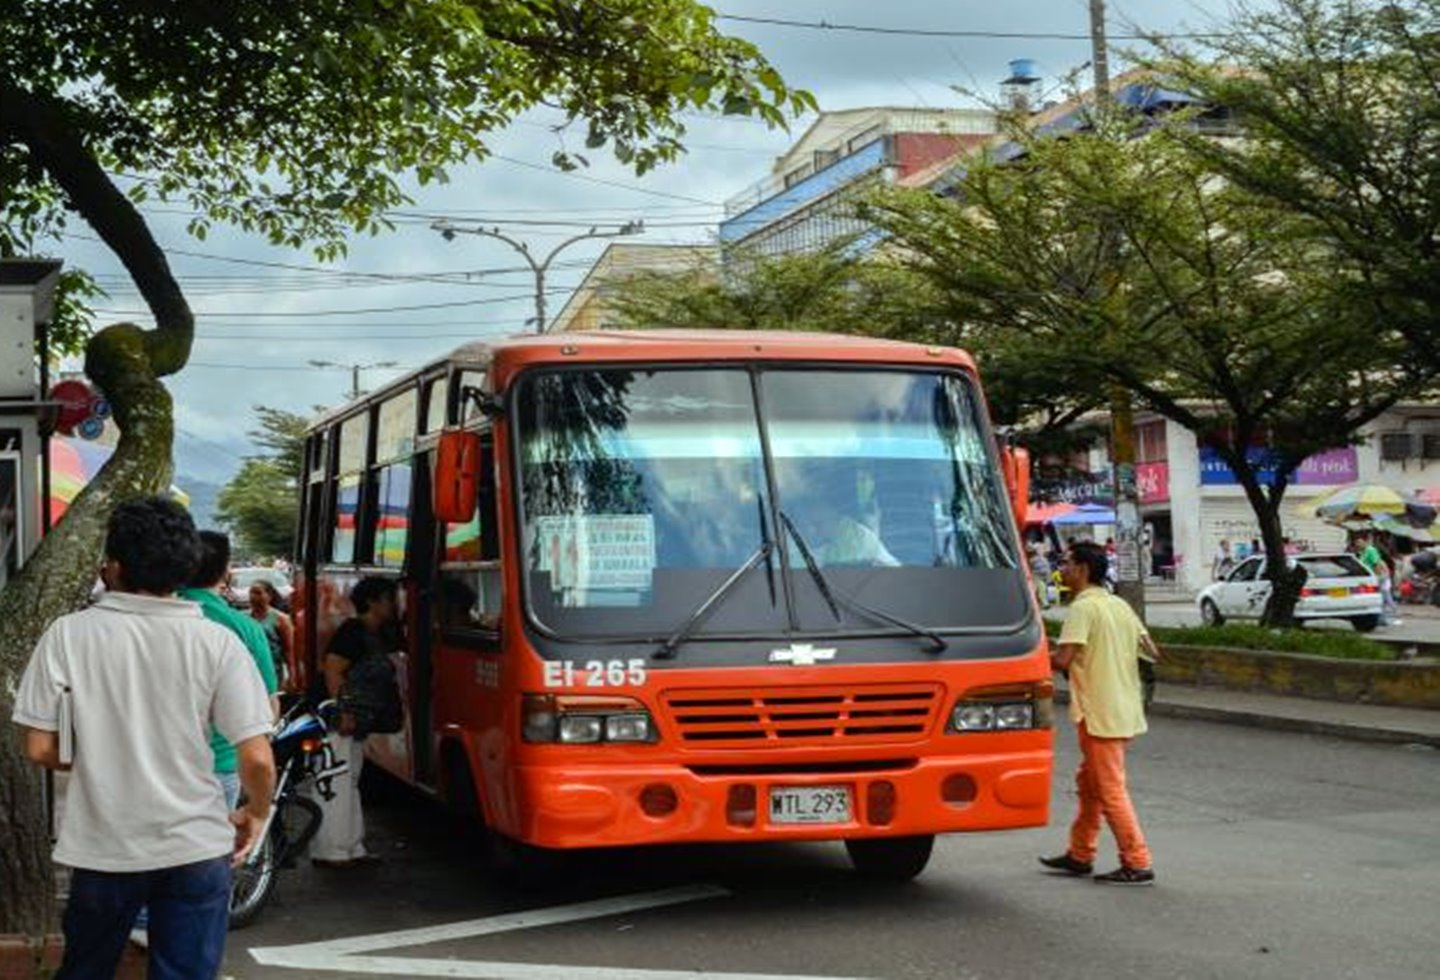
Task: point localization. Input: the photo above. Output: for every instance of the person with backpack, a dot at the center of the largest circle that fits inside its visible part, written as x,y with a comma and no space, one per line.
357,673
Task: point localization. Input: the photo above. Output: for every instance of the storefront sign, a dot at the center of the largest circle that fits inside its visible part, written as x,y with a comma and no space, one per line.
1153,482
1073,487
1333,468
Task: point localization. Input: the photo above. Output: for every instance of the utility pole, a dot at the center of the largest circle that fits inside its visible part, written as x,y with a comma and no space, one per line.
538,268
1129,575
355,370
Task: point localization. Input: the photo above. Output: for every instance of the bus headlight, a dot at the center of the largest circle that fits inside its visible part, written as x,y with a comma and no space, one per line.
575,719
629,727
580,729
1005,708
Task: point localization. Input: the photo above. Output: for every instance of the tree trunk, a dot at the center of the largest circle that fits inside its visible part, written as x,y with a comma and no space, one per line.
57,580
1285,582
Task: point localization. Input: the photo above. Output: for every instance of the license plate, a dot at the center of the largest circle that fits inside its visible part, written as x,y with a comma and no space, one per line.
1338,593
809,804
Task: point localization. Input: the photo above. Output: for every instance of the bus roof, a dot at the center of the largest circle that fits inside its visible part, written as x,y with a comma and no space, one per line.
510,353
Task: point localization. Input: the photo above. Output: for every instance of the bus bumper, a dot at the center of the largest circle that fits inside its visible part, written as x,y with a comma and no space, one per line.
625,804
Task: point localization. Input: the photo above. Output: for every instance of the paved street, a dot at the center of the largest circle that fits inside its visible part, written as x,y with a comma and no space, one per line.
1279,855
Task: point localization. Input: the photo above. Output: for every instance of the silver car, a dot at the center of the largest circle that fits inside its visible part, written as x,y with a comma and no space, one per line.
1336,586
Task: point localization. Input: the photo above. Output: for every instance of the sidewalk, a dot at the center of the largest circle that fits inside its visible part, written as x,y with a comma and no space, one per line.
1361,722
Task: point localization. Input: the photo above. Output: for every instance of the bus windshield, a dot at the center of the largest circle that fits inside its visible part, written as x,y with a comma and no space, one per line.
644,490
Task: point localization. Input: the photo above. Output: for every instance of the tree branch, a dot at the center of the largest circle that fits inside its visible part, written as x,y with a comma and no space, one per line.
41,123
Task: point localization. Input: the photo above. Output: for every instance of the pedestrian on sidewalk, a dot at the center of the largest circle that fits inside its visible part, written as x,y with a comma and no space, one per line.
340,841
1222,562
204,589
1100,645
123,695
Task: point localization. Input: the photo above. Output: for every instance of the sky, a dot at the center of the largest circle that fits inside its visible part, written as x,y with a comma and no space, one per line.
265,313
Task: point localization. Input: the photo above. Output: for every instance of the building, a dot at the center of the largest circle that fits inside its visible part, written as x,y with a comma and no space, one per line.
588,309
1190,500
27,303
807,201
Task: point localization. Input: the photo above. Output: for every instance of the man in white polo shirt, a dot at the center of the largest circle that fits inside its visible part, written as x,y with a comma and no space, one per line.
124,695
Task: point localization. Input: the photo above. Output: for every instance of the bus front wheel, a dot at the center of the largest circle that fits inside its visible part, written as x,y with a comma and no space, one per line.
890,858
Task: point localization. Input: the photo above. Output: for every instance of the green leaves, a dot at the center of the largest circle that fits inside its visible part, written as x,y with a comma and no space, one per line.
291,120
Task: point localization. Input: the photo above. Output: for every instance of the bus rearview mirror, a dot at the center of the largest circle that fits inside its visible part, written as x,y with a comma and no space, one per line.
457,476
1016,463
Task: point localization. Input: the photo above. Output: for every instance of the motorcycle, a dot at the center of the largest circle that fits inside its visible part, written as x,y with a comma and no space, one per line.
1422,585
303,754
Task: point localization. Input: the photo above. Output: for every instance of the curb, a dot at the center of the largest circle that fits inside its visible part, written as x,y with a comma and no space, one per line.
1308,726
1281,723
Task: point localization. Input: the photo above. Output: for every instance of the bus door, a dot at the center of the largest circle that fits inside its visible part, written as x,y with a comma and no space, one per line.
468,653
421,581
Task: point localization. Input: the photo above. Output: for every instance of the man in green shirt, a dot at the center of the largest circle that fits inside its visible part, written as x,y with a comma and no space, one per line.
1368,553
205,588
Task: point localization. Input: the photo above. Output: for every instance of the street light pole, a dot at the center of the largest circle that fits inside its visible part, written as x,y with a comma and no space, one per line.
355,370
1129,573
538,268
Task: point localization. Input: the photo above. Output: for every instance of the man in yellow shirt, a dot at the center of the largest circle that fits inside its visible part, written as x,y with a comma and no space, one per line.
1100,645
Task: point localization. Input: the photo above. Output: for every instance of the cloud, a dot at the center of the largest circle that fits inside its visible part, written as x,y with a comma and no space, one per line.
260,326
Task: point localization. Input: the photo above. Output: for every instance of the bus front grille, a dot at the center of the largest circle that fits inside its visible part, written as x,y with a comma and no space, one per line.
811,715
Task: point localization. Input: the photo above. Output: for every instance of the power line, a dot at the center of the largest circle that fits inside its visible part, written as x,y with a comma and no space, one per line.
399,368
825,25
601,180
354,312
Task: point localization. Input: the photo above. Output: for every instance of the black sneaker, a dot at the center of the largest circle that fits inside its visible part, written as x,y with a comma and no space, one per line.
1065,864
1128,876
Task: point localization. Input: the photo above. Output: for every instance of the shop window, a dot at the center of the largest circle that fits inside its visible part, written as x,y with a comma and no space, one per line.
390,517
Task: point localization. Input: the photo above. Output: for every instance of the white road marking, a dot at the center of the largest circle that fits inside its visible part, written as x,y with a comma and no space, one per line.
347,955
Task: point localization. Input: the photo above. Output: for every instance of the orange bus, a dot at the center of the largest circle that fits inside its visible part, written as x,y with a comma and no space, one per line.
673,586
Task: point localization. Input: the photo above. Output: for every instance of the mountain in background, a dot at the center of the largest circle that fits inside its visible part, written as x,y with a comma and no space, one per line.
204,496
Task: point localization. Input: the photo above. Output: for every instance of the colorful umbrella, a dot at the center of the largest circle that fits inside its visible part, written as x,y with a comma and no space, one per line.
74,463
1390,524
1362,500
1430,495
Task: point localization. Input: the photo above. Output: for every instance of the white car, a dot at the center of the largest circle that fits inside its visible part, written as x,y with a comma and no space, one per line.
1336,587
237,590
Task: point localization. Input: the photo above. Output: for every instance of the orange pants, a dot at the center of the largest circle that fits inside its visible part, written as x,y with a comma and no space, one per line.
1101,784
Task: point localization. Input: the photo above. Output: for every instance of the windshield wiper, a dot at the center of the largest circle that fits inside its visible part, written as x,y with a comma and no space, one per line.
835,599
762,553
667,649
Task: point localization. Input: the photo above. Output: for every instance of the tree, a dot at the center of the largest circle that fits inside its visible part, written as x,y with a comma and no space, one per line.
1339,101
294,121
261,503
836,291
1116,256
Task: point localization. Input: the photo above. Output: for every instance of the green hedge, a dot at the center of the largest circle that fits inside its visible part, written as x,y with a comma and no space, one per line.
1242,636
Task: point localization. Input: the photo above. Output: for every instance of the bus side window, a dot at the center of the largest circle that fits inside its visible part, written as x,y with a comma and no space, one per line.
470,581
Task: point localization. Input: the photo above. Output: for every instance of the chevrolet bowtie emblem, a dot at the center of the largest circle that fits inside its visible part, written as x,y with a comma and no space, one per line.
801,655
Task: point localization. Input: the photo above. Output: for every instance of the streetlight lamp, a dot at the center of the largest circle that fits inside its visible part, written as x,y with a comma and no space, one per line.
539,268
354,370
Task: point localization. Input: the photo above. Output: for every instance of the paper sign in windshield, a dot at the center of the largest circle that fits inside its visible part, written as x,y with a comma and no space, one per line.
598,552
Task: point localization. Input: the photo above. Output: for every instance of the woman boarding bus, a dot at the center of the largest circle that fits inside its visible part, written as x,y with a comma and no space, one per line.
671,587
